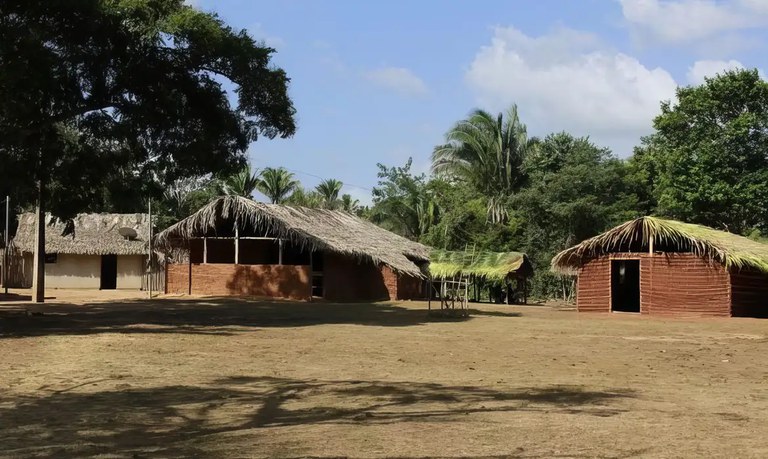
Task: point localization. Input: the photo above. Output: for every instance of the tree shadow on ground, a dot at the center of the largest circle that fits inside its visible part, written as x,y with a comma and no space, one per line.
195,315
187,421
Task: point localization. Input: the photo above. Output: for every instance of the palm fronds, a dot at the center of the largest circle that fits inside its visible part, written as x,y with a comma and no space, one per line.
493,266
731,250
276,184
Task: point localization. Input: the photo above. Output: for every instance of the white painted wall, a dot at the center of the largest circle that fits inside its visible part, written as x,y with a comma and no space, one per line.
129,271
74,271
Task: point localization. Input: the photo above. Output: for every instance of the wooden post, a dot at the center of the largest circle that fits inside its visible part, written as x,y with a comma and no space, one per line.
205,251
280,252
237,245
5,251
38,267
650,246
149,277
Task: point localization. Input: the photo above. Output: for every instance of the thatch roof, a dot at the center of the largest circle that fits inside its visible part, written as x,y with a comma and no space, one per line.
495,266
319,229
731,250
93,234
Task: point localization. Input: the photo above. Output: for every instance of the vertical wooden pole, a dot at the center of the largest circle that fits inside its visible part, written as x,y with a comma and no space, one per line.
205,251
280,252
149,277
650,246
189,277
38,267
237,245
5,251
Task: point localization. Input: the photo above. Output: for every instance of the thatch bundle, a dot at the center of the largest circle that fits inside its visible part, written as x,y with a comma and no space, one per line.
90,234
731,250
493,266
317,229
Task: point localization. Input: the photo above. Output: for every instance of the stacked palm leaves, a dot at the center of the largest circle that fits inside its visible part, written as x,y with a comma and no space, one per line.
491,266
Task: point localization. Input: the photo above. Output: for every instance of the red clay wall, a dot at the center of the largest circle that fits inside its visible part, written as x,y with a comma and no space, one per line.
593,288
402,287
349,279
670,284
749,294
275,281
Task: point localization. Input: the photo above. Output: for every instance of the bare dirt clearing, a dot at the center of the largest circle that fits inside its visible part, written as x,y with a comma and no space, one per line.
207,377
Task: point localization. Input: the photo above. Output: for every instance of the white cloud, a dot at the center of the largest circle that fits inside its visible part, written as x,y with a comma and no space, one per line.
701,69
257,32
689,21
398,79
567,81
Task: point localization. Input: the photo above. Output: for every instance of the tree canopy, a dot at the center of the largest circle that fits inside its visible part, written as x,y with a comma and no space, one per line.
109,97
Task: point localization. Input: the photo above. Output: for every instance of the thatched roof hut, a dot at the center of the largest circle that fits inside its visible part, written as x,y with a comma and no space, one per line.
730,250
316,229
89,234
656,266
492,266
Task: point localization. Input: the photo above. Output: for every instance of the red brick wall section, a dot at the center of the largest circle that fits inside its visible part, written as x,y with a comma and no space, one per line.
593,290
273,281
410,288
670,284
749,294
687,285
350,279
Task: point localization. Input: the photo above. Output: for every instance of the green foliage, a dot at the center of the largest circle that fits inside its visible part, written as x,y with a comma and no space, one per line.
303,198
129,94
277,184
487,153
708,159
329,190
242,183
348,204
402,203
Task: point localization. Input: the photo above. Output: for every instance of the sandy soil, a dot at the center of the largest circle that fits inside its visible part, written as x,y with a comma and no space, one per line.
202,377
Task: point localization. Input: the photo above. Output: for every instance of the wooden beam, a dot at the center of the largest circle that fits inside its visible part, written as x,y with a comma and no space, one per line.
650,246
205,250
280,252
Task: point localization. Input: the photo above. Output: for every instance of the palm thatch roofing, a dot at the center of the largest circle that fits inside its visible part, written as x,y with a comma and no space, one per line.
91,234
494,266
318,229
731,250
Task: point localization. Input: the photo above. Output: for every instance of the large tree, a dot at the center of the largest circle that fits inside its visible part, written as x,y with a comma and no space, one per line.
115,94
329,189
708,158
486,152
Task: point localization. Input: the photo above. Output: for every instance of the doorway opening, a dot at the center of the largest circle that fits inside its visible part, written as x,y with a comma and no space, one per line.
108,272
625,285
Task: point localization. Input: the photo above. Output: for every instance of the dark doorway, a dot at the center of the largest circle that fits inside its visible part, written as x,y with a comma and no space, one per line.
108,272
625,285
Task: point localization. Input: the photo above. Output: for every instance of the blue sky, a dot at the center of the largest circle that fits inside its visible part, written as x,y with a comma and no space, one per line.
378,82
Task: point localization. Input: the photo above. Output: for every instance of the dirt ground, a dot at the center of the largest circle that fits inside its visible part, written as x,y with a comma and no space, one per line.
212,377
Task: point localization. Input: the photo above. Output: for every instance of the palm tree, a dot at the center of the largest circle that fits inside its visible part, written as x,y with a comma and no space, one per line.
304,198
276,184
348,204
243,183
487,152
329,189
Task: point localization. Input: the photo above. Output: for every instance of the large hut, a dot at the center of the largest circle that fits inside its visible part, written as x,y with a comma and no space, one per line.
505,273
92,251
236,246
656,266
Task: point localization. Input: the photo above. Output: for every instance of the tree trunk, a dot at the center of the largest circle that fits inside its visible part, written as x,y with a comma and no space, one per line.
38,271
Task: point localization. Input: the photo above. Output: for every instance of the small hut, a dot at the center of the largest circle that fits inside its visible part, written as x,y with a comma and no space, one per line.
665,267
505,273
93,251
236,246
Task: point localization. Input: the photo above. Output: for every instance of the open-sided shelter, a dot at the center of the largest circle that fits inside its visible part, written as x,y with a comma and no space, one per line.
657,266
236,246
507,270
93,251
